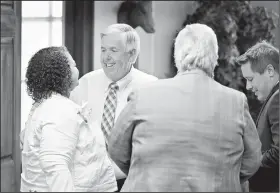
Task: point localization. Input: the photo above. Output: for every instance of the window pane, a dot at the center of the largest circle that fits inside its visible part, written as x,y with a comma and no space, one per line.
35,35
57,33
56,8
35,8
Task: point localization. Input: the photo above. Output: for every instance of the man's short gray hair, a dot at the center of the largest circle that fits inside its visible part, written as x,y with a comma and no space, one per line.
131,37
196,46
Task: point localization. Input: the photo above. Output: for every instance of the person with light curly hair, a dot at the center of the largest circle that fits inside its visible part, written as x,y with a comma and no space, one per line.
188,133
60,151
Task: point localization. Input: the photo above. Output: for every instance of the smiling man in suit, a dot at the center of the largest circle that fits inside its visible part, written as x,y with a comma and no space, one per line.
260,67
106,90
187,133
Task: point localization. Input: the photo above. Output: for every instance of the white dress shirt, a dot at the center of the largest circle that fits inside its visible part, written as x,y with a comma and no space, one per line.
93,90
62,153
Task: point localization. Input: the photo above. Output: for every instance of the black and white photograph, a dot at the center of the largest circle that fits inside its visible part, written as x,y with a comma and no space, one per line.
140,96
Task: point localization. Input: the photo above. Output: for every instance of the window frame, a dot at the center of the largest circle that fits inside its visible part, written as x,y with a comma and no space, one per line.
50,19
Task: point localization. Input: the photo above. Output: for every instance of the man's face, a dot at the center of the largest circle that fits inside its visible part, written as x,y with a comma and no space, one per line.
114,58
256,82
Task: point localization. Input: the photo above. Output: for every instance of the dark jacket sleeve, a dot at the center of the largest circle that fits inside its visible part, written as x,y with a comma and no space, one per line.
271,156
266,178
252,156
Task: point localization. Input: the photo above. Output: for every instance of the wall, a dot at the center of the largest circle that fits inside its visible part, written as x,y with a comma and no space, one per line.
155,48
169,17
105,13
10,95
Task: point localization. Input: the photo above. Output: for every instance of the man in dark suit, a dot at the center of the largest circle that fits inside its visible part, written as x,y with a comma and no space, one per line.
260,67
188,133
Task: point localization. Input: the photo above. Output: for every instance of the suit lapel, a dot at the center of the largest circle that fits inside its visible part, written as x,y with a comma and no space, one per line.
274,89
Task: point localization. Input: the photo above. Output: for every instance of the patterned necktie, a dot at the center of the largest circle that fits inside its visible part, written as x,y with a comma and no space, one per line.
108,116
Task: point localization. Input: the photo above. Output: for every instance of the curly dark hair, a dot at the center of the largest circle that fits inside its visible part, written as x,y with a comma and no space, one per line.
48,72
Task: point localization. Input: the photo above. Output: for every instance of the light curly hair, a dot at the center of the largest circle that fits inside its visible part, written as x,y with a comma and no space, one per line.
196,46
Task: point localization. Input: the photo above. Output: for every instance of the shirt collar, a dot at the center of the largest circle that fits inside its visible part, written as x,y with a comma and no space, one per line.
274,89
193,71
122,83
277,83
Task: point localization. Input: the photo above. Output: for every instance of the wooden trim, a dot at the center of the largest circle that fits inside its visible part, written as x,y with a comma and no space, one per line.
68,26
9,3
79,18
8,21
50,23
63,22
6,97
17,95
49,19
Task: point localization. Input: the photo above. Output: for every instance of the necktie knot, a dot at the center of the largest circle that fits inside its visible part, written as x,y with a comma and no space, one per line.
114,86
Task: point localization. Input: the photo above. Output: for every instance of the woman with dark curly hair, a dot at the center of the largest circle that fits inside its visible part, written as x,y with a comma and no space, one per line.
47,73
60,151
